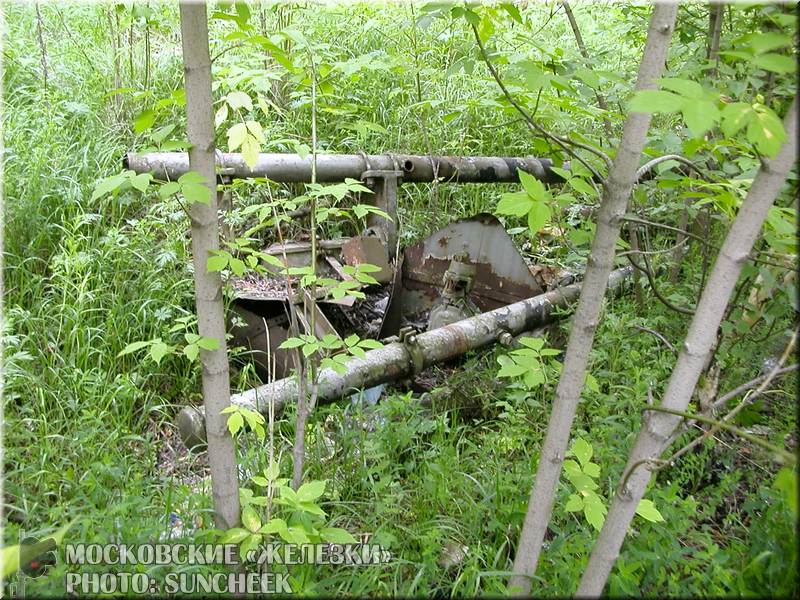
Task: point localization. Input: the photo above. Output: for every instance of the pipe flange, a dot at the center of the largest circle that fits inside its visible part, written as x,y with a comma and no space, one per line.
408,337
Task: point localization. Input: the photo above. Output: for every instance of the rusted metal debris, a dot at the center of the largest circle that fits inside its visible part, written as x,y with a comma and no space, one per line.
369,250
407,356
439,284
501,274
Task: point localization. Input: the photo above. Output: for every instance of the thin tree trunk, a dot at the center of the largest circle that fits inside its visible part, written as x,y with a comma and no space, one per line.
130,51
601,101
714,33
208,285
658,426
306,403
42,50
113,22
638,292
678,253
617,190
147,52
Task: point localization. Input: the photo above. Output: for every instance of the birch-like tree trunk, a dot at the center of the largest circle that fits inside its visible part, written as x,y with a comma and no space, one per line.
616,192
658,427
208,285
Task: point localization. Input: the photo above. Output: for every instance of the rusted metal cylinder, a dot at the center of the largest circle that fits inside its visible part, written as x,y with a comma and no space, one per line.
399,360
292,168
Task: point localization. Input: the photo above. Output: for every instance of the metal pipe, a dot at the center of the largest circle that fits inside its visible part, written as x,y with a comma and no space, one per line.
403,359
292,168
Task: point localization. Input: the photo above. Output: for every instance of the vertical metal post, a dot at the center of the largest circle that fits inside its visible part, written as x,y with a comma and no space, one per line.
384,185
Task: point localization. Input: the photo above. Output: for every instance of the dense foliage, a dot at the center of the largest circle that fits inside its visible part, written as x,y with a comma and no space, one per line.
96,259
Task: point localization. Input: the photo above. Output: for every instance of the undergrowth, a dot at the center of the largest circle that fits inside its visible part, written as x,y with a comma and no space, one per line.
441,481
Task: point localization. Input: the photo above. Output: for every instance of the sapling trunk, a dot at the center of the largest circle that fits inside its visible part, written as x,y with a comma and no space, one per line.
659,426
42,51
601,101
617,190
208,285
305,401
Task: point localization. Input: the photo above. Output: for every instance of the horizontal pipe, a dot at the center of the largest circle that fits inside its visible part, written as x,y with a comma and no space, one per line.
398,360
292,168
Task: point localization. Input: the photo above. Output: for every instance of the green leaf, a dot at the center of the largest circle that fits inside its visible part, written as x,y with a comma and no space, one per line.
294,535
512,10
10,560
274,526
221,115
372,344
571,468
763,42
133,347
574,503
594,510
194,192
208,343
776,63
254,127
141,181
235,423
516,203
511,369
167,189
786,482
250,519
250,543
655,101
532,343
592,469
591,383
533,378
160,134
336,535
582,450
144,121
191,177
239,100
292,342
766,132
107,185
236,136
158,351
700,116
217,263
538,216
582,186
312,508
234,536
237,266
311,491
735,116
533,186
191,351
647,510
250,150
684,87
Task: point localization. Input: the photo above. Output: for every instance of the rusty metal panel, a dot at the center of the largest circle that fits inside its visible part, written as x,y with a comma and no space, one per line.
501,275
368,250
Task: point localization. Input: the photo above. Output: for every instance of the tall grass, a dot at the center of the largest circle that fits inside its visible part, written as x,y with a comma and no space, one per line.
85,430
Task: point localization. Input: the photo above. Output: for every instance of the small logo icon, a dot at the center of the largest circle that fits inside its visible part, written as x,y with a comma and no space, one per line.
36,556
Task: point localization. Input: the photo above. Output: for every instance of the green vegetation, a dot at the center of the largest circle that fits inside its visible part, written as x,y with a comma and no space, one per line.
99,331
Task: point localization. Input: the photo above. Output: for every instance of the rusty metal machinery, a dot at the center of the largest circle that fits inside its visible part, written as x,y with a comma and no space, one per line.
461,288
407,356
